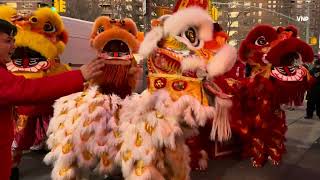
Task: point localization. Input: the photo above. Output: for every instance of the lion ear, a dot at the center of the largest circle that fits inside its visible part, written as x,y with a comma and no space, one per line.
140,36
243,51
63,36
280,30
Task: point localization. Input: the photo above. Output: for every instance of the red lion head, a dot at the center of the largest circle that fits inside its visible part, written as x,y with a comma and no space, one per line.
276,46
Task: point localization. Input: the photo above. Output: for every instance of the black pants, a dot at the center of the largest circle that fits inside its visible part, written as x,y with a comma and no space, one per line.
313,104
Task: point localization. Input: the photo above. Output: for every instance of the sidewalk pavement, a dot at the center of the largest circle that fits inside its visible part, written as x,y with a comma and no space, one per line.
302,161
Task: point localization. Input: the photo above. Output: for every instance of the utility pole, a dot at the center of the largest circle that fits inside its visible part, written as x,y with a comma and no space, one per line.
308,22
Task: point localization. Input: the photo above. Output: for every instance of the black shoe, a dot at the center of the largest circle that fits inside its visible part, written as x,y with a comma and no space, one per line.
14,173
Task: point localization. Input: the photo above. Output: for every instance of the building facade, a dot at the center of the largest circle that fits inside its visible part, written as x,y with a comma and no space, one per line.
238,17
26,6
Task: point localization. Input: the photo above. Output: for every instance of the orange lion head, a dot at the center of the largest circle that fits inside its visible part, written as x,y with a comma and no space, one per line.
116,40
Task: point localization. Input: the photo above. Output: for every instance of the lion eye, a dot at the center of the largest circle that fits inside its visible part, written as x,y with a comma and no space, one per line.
100,29
261,41
48,27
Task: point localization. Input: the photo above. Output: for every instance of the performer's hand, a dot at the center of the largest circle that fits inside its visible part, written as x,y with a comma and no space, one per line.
93,69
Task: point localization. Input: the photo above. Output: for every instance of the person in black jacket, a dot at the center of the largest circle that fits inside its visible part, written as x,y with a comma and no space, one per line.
313,95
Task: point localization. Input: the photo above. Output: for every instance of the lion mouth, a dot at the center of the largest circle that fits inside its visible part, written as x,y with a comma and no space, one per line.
116,51
288,73
26,59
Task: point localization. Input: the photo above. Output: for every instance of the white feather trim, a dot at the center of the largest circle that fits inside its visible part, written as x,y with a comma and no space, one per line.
221,129
193,16
192,63
150,41
222,62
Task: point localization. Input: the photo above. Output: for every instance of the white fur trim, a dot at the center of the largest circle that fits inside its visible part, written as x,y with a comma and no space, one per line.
221,129
193,16
150,41
222,62
192,63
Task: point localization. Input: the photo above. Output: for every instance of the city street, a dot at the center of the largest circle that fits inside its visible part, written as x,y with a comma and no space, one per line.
300,162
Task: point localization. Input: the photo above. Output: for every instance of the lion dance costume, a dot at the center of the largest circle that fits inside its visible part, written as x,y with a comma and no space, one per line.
275,79
40,39
145,134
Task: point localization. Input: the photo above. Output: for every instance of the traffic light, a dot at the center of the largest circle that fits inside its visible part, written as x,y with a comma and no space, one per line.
313,41
56,5
214,13
59,5
62,6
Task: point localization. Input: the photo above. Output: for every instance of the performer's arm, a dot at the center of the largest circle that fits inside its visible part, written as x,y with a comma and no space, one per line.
16,90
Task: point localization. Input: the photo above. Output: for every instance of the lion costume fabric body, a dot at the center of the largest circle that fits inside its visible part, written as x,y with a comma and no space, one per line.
40,40
82,119
275,79
145,134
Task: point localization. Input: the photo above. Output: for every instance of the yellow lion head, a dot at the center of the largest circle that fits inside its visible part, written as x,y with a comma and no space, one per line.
40,39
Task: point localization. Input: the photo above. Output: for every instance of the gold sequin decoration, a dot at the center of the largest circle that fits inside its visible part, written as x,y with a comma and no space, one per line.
116,134
148,128
67,133
127,155
86,155
105,159
75,117
92,107
139,168
159,115
138,140
61,126
22,122
119,146
85,136
64,112
79,101
67,148
64,171
87,122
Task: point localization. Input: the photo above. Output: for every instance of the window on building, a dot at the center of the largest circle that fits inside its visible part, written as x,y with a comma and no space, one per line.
260,5
234,14
233,42
13,5
231,33
259,20
260,13
235,24
247,3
